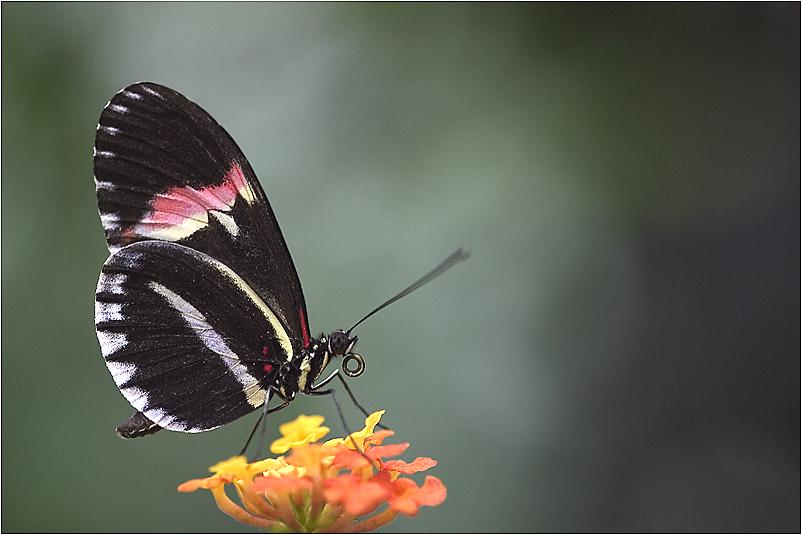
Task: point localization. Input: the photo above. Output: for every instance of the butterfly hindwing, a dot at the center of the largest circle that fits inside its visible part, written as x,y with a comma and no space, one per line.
187,340
166,170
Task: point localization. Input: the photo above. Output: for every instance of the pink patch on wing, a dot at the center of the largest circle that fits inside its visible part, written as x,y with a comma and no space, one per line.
179,212
237,179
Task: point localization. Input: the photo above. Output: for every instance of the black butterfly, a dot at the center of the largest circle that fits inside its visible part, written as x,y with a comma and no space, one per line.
199,310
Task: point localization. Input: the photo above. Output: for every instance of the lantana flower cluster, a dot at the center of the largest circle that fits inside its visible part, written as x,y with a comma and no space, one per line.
329,487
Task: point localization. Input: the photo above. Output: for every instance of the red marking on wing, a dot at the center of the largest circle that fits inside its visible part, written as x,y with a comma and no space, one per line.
303,328
178,207
268,368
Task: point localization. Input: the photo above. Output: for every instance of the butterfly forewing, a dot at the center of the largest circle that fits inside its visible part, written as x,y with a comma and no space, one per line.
166,170
188,342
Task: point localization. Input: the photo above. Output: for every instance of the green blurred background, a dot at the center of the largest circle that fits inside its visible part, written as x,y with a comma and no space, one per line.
622,351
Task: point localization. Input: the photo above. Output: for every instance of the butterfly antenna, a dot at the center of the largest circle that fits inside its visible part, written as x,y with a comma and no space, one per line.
457,256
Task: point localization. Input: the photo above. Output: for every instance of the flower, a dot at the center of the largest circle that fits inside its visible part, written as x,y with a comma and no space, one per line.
302,430
323,487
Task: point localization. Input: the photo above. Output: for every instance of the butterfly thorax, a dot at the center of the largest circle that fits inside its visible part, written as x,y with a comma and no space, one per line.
308,366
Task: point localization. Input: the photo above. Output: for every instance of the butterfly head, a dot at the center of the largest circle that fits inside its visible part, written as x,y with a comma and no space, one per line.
340,344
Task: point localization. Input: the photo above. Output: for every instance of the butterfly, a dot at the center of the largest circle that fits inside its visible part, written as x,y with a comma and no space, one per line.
199,311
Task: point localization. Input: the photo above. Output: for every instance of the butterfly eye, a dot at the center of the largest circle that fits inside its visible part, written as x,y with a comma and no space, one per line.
340,343
360,365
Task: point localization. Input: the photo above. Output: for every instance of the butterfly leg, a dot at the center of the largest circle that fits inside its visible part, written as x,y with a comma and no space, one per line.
265,411
314,391
330,391
353,398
